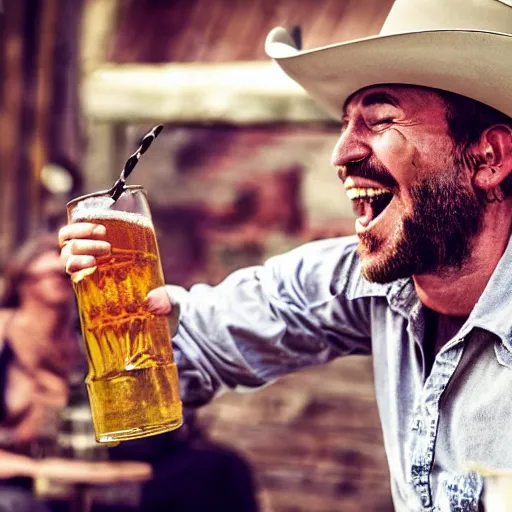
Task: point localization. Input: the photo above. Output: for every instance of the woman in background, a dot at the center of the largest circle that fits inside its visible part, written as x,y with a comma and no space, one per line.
39,353
38,346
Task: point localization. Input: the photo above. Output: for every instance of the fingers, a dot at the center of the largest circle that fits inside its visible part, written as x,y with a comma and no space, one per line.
85,230
81,243
81,254
77,247
76,263
158,302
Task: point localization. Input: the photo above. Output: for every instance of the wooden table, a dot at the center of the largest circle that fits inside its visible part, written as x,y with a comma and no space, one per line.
84,475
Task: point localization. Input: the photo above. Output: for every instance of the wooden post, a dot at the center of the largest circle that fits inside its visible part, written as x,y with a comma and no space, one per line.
35,36
11,57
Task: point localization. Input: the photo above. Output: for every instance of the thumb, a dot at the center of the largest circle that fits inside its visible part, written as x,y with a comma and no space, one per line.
158,302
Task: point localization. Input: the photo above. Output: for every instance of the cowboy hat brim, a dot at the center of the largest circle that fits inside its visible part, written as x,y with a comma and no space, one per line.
473,63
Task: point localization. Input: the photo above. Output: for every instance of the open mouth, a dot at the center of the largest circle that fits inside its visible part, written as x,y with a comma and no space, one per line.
369,203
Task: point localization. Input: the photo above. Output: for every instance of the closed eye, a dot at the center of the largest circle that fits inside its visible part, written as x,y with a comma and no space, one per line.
384,120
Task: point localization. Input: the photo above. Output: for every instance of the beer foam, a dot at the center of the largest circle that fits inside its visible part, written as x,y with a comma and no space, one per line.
96,202
97,214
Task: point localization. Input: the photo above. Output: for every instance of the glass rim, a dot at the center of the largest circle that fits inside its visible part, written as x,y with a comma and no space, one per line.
100,193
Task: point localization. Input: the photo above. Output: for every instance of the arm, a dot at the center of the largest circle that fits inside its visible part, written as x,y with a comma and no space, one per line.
14,465
296,311
300,309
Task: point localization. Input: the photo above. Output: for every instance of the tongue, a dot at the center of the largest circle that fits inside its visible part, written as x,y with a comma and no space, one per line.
365,213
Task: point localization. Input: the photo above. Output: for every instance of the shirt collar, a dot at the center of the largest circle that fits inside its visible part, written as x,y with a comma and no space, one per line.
492,312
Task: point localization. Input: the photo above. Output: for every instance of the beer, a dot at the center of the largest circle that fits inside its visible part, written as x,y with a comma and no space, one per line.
132,380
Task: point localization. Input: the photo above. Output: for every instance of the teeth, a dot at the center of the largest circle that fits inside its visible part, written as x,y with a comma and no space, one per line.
359,193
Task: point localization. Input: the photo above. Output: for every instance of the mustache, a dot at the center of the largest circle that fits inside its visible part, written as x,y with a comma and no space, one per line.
370,169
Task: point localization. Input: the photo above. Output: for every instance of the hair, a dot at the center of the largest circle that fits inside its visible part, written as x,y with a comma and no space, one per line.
467,120
15,270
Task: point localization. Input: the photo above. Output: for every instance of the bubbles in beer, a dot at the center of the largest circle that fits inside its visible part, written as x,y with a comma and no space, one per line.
97,215
123,339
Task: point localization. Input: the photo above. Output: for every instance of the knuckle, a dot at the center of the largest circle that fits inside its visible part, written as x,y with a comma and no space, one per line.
70,265
71,246
64,250
62,236
103,247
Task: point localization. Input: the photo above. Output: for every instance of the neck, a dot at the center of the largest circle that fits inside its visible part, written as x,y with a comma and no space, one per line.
455,291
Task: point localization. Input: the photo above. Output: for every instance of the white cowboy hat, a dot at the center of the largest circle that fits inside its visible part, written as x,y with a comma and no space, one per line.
462,46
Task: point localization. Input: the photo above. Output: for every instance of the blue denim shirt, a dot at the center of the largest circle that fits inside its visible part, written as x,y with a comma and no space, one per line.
311,305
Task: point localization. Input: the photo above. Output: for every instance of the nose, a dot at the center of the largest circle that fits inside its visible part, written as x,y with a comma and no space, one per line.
350,147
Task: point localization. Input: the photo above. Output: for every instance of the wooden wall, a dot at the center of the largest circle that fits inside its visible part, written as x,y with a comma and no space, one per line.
234,30
38,111
314,439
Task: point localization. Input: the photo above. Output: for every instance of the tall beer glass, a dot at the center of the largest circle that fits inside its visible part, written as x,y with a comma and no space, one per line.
132,380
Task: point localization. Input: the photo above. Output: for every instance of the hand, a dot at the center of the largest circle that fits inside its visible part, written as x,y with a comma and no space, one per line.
159,303
81,243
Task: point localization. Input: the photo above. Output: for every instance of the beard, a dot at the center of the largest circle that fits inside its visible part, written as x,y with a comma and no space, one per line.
447,214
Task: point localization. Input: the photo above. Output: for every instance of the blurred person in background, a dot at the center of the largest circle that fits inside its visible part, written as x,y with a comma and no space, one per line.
38,347
41,361
190,472
425,156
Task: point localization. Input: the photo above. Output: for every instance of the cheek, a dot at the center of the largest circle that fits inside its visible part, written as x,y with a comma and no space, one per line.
410,157
63,286
56,288
398,155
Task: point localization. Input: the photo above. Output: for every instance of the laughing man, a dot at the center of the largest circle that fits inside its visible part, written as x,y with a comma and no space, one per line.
425,155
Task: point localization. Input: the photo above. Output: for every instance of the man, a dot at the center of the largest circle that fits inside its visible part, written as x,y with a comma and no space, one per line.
425,285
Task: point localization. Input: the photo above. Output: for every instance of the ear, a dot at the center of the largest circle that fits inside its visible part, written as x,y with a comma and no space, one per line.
495,152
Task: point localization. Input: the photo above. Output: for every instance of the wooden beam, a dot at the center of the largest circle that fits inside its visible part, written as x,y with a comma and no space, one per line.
42,85
239,93
98,25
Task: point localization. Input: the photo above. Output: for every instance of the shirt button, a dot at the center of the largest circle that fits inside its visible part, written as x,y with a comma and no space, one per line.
425,500
417,424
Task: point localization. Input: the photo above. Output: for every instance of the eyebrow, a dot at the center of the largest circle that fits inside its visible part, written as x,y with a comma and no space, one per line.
375,98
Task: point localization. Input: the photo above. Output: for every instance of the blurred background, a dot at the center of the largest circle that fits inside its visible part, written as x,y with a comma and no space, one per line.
241,172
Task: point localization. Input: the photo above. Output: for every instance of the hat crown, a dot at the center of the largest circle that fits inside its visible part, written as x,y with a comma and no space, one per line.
421,15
